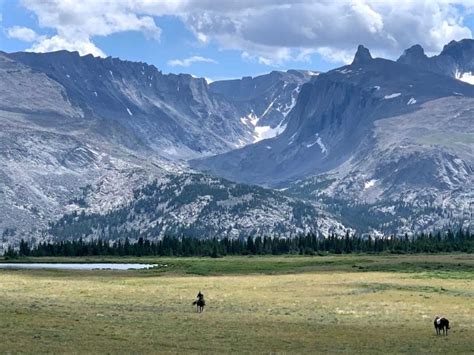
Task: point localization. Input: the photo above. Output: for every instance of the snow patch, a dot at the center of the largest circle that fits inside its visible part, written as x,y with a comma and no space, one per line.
250,120
266,132
319,142
345,71
288,107
392,96
411,101
261,132
369,184
268,108
466,77
292,139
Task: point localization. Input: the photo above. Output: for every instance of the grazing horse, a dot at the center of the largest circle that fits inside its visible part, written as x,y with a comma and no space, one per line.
200,303
441,323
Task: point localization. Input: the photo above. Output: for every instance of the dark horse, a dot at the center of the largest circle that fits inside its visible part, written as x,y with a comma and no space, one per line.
200,303
441,323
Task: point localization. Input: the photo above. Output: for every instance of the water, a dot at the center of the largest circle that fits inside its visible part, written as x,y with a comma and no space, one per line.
74,266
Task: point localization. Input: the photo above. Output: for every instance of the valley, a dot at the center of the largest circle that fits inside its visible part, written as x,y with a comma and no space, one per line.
285,304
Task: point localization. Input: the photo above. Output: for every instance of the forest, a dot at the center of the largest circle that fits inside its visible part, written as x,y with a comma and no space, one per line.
310,244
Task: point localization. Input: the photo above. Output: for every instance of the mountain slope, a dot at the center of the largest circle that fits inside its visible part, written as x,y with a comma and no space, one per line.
373,132
70,124
199,206
455,60
174,115
333,119
265,100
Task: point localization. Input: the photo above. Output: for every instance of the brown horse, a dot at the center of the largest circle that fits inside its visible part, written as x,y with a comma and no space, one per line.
441,323
200,303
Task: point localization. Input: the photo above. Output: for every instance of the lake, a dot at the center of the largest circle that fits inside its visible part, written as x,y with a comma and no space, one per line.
75,266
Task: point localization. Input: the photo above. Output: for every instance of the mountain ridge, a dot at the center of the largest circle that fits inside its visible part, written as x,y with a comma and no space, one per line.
391,140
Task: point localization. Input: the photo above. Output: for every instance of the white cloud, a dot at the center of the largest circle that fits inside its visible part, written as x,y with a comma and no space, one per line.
76,23
268,31
188,61
277,31
81,45
24,34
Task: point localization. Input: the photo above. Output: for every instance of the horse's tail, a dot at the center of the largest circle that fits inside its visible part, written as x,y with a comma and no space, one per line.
194,303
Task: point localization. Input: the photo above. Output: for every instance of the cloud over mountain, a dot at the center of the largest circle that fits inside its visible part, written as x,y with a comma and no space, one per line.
270,32
186,62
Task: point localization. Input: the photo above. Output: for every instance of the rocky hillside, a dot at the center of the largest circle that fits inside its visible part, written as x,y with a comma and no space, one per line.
199,206
373,132
70,124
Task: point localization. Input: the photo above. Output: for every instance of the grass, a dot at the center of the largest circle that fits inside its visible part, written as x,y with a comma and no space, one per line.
356,304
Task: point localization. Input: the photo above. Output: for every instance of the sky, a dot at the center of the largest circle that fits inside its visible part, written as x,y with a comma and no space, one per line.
221,39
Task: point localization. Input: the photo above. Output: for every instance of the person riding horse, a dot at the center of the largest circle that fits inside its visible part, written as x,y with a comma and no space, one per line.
200,303
200,296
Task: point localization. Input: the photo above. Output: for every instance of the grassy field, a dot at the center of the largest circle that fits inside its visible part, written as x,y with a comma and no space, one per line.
356,304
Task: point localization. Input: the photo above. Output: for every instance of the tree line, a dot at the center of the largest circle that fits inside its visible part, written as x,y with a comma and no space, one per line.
310,244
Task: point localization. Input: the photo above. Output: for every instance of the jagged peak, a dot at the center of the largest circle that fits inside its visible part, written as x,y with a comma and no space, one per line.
362,55
415,53
454,48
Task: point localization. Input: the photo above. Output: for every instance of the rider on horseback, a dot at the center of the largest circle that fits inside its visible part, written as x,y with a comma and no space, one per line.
200,303
200,296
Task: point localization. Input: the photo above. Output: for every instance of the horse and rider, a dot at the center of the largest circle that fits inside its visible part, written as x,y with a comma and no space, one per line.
200,303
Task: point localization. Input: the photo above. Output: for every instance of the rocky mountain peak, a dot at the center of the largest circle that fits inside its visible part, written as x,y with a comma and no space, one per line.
458,49
414,52
415,55
362,55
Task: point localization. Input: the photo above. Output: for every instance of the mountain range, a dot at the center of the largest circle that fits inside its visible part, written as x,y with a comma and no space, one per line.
376,146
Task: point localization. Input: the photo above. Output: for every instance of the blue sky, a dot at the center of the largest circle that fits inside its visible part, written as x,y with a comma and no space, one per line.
227,39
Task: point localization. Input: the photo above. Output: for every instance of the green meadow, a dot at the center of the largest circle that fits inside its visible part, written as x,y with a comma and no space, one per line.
285,304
